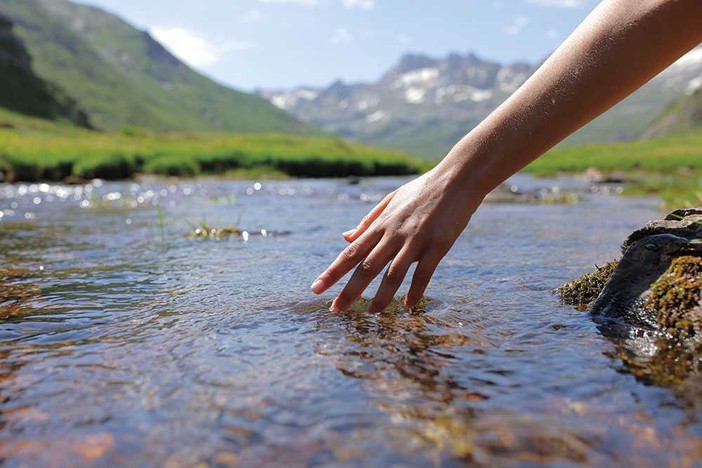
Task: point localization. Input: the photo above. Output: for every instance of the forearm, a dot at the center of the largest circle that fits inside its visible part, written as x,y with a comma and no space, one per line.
619,47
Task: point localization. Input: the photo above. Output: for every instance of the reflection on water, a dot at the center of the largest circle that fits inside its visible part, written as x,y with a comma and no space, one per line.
124,341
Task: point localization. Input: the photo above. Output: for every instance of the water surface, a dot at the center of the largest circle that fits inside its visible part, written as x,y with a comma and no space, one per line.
126,342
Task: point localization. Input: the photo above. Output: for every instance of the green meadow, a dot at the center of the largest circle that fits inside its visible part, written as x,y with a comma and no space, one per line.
669,167
33,150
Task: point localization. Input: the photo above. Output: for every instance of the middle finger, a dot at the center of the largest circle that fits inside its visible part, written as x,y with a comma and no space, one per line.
366,271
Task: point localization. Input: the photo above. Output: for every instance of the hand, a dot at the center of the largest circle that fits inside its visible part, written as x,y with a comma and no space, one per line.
419,222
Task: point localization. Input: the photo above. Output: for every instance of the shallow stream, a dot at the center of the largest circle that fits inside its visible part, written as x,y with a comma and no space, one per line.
126,342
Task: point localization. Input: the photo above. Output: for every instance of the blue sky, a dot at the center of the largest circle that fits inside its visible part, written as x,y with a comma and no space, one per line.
284,43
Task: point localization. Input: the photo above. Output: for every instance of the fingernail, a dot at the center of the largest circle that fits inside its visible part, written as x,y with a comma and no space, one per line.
334,307
317,286
348,233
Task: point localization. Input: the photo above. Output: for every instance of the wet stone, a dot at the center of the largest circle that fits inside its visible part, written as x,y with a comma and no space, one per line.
649,302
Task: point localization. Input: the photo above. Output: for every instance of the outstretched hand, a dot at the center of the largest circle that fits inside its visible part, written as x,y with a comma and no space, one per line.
616,50
417,223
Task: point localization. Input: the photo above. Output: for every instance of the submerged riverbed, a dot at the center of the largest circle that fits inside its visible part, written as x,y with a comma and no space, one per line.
126,342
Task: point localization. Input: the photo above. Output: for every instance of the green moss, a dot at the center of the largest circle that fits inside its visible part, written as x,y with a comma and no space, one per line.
676,295
583,291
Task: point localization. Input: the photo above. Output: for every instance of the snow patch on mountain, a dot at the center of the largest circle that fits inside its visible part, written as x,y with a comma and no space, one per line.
290,100
421,77
376,117
693,85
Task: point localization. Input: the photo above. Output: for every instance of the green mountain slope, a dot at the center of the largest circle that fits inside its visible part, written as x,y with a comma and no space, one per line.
122,77
22,91
684,115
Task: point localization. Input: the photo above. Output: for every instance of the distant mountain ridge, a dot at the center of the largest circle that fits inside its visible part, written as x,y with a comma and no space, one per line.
424,105
420,104
122,77
684,114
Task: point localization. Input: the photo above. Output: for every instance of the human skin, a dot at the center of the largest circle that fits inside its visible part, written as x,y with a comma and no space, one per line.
620,46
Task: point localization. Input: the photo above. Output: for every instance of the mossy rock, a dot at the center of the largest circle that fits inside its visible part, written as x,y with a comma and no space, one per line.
650,302
675,298
685,222
582,292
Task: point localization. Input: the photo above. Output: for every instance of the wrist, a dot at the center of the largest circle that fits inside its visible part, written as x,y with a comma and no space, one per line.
470,165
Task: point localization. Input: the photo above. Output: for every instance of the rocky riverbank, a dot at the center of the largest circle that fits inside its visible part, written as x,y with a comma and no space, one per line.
649,301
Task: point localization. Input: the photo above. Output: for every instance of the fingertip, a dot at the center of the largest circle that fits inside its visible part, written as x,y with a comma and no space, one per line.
335,306
348,234
317,287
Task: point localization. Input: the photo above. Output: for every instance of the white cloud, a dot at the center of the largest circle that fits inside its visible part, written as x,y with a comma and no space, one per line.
307,3
341,36
192,49
253,15
557,3
517,26
360,4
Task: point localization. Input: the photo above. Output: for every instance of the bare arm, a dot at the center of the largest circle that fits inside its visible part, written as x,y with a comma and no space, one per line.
619,47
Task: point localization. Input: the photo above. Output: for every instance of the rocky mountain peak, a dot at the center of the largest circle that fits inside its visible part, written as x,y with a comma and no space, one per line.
411,62
424,105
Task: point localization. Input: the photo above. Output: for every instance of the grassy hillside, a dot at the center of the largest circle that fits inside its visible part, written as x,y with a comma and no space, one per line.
35,149
684,115
124,78
22,91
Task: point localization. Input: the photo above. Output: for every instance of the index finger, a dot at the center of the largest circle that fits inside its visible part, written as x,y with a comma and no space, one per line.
347,259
